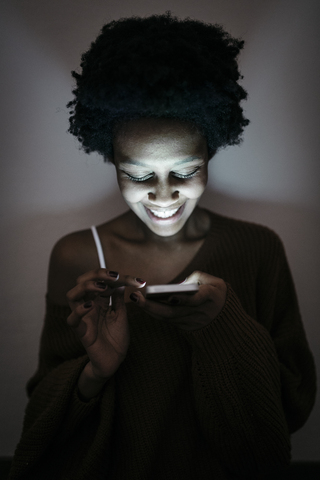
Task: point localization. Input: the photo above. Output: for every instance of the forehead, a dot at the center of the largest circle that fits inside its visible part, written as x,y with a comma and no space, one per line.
158,138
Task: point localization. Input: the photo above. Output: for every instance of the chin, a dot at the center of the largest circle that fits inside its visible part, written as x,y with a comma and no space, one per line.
165,227
168,232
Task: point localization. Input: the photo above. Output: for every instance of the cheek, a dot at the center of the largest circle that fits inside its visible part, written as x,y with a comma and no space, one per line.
196,189
132,193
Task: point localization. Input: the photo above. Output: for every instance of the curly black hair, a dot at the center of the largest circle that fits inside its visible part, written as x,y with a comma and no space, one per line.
161,67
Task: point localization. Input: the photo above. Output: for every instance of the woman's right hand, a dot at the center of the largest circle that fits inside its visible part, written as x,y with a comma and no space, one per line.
102,328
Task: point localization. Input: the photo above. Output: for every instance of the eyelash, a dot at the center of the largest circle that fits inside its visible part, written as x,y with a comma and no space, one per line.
146,178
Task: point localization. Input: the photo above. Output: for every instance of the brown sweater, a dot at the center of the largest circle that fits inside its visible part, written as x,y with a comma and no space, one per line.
215,403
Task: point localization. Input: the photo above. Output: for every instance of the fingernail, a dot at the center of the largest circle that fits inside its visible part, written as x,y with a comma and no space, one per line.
113,274
87,304
134,297
101,284
174,301
139,280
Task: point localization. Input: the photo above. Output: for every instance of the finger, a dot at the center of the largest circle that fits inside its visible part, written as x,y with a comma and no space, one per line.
88,290
99,282
204,294
98,274
75,319
111,278
129,281
210,288
195,299
159,310
202,278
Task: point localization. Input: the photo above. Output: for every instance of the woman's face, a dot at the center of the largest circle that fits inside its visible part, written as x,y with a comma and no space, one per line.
162,171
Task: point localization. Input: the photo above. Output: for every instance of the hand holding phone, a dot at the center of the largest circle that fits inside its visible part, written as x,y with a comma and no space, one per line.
187,312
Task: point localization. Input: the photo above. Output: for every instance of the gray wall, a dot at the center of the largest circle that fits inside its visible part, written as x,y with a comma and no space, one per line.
50,188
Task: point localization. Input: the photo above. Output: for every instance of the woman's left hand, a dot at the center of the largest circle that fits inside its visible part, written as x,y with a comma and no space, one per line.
189,312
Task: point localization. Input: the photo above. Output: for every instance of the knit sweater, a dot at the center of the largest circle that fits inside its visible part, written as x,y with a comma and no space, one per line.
219,402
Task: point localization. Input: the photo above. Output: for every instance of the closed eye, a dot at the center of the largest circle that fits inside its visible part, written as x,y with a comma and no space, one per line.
139,179
175,174
187,175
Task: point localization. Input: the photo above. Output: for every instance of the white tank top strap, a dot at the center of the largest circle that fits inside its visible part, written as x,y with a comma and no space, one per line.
100,252
99,247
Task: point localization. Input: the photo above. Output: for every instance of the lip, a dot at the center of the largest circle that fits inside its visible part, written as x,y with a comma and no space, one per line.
167,221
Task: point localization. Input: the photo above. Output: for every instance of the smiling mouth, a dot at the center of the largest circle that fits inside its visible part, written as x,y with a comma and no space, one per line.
167,214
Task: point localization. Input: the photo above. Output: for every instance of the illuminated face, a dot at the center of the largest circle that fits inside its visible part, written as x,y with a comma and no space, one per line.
162,171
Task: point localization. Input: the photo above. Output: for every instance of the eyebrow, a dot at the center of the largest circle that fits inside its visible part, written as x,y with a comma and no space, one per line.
140,164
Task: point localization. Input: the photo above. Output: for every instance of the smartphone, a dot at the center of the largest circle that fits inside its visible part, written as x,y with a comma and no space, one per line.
162,292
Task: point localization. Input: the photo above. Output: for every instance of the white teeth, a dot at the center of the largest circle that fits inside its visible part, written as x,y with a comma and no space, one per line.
164,214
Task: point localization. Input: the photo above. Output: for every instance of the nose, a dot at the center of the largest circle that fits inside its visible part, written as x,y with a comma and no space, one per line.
163,194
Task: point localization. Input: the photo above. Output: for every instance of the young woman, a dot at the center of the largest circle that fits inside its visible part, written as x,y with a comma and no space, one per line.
208,385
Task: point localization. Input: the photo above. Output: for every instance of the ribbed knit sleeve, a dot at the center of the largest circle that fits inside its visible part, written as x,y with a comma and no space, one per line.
279,312
254,378
56,419
237,392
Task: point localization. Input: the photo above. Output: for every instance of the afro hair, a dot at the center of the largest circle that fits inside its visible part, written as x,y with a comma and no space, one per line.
161,67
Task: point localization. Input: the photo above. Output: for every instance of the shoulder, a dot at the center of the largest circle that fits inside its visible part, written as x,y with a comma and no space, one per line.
246,236
231,225
74,250
72,256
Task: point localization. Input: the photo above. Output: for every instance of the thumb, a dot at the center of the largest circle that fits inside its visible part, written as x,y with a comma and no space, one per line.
202,278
